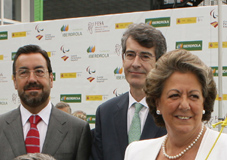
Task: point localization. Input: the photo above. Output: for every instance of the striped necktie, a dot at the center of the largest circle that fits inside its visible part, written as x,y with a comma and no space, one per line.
32,139
135,128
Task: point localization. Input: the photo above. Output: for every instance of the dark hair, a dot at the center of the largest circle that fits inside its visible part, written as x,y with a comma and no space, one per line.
182,61
147,36
28,49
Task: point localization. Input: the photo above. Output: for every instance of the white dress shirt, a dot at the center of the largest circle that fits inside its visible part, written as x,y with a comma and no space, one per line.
131,110
42,125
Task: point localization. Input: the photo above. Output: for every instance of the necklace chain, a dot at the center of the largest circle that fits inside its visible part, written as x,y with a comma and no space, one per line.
185,150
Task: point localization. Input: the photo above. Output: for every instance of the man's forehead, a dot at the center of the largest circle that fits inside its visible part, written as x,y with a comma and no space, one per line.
31,59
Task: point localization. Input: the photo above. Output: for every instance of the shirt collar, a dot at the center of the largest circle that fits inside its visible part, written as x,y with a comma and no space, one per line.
44,113
132,101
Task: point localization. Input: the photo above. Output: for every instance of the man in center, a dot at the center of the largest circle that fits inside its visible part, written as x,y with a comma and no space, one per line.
126,118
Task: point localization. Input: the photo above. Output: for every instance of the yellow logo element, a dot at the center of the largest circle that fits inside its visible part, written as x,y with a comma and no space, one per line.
122,25
68,75
49,54
94,98
1,57
19,34
186,20
224,97
215,44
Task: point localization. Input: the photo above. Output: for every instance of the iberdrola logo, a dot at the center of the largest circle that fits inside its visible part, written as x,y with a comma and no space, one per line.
91,49
180,46
118,70
65,28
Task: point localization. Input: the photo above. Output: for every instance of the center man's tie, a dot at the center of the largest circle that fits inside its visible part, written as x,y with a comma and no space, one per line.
135,128
32,141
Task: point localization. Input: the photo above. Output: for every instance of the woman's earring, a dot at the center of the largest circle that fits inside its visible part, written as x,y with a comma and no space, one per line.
158,112
204,111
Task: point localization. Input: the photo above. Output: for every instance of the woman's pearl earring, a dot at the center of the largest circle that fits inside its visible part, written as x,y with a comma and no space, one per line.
158,112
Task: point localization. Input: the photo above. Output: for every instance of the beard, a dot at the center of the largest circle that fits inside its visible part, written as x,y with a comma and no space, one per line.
34,99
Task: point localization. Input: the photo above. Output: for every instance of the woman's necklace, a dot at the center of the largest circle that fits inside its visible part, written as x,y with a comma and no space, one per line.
185,150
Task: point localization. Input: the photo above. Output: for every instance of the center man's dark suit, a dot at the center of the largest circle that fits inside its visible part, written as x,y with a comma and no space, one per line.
67,138
111,137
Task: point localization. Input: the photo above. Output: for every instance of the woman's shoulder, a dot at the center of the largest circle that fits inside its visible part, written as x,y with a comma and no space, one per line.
144,144
212,132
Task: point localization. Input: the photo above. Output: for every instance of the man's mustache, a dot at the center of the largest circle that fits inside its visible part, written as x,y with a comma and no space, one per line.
33,85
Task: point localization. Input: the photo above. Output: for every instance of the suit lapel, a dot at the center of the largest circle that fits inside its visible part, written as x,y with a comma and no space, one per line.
150,129
120,120
56,132
14,132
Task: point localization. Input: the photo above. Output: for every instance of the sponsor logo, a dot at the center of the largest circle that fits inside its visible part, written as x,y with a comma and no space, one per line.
215,71
19,34
224,97
90,79
91,49
118,70
13,55
38,29
115,92
214,24
1,57
63,49
214,16
91,119
54,76
39,37
122,25
118,49
64,58
215,45
68,75
90,27
89,70
3,35
94,97
65,33
49,54
65,28
188,20
158,22
15,98
118,73
3,101
189,45
3,79
98,27
70,98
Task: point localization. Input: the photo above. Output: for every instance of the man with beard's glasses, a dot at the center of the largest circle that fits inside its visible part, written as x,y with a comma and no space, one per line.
36,126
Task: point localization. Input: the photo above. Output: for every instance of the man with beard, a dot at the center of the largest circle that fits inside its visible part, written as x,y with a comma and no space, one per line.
56,133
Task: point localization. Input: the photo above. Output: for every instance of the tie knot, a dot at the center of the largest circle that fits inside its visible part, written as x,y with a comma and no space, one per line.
138,107
34,119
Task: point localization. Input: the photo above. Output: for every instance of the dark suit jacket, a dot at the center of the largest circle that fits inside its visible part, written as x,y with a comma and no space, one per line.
67,138
111,137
